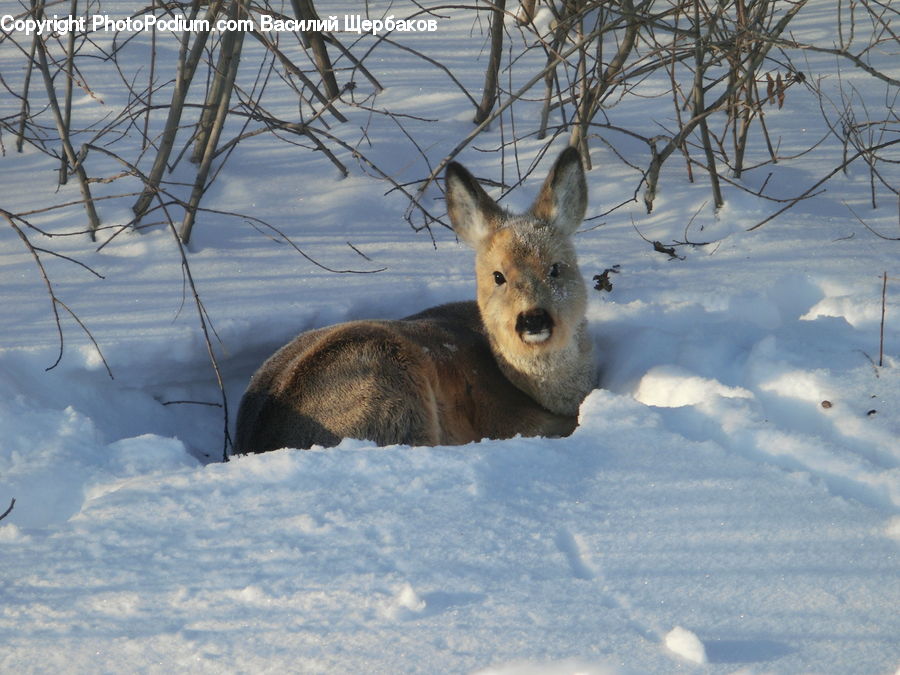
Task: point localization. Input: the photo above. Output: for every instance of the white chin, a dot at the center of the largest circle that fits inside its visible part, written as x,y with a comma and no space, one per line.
536,338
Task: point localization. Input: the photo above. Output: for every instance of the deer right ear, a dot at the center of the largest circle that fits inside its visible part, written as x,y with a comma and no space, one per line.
473,214
562,201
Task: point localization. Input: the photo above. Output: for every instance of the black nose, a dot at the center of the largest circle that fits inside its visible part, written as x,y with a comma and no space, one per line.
534,321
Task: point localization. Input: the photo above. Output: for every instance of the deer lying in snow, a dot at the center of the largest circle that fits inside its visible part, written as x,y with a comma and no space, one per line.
516,361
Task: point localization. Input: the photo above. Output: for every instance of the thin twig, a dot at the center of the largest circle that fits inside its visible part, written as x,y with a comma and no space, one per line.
12,503
883,304
93,218
823,180
54,300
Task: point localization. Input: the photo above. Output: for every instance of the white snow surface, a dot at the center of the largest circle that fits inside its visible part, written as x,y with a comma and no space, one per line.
730,502
687,645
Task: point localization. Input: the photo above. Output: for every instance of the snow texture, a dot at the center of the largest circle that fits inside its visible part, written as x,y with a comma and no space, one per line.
737,473
687,645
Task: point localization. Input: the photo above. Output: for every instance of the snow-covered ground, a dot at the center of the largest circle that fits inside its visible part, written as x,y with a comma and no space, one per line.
730,502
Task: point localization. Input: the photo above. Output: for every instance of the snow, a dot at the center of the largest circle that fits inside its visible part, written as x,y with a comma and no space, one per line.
687,645
730,502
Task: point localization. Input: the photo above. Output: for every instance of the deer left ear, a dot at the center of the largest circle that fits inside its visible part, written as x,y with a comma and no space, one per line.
562,201
473,214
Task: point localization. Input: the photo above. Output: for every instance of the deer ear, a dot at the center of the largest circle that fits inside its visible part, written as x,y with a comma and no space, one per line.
562,201
473,214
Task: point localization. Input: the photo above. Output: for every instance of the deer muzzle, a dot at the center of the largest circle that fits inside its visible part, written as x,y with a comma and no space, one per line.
534,326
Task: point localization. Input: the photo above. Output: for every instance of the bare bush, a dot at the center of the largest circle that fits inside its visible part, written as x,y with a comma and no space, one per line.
719,63
724,63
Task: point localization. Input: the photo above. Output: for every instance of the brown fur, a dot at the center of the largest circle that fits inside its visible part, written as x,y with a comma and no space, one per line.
455,373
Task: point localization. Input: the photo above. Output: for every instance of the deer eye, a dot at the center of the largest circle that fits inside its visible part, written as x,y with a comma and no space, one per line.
554,270
499,279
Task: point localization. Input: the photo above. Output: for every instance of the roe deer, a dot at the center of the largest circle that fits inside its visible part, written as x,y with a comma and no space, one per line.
517,361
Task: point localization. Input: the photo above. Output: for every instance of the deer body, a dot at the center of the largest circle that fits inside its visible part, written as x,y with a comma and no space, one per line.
516,361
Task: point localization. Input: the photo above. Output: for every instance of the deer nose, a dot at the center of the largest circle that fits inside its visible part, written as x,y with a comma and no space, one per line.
535,325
